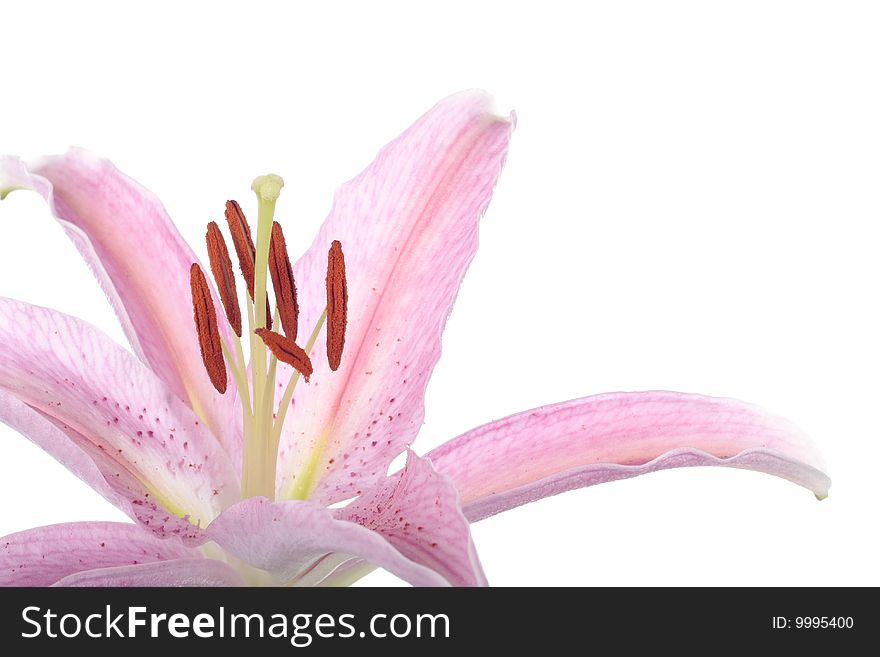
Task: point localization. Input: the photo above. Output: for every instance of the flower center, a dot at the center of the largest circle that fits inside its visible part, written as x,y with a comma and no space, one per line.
275,332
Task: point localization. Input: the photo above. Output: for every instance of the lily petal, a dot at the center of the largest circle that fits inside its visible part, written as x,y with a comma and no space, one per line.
141,262
179,572
44,555
84,398
419,514
290,538
553,449
408,226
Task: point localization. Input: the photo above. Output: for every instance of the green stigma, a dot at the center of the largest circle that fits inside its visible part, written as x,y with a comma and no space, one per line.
268,187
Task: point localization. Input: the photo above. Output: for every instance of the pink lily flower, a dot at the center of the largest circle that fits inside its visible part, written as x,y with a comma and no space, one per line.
235,474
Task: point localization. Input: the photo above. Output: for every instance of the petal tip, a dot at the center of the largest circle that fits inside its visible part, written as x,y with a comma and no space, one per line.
6,191
481,102
823,488
13,176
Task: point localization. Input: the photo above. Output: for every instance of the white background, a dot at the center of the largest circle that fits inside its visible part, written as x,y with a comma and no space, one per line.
690,203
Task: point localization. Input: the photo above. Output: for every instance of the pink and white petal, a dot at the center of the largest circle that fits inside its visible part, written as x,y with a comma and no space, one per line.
408,226
95,467
188,572
44,555
346,574
291,538
337,573
589,441
141,262
419,513
84,398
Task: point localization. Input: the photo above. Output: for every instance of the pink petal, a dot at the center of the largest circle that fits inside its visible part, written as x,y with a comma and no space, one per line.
179,572
592,440
99,410
42,556
141,262
408,227
291,538
419,514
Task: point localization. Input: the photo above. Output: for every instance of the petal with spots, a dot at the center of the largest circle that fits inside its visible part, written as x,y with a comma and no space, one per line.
44,555
418,512
408,227
291,539
93,405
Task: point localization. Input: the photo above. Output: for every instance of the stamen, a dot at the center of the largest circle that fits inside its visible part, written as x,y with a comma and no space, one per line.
337,304
282,281
221,267
244,249
206,326
287,351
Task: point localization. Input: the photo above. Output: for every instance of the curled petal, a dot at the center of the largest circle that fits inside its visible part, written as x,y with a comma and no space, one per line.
589,441
409,228
289,539
44,555
141,262
411,524
419,514
417,511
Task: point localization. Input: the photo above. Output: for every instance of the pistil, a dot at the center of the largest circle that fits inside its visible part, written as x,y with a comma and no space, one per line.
267,189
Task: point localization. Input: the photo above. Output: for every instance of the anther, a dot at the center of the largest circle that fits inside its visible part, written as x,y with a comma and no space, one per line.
244,249
337,304
221,267
282,281
287,351
206,327
241,240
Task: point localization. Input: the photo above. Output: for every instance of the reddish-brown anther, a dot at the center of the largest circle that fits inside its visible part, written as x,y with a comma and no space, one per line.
337,304
221,267
244,249
206,327
287,351
282,281
241,240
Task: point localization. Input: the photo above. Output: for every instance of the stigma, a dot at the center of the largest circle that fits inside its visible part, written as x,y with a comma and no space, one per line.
268,187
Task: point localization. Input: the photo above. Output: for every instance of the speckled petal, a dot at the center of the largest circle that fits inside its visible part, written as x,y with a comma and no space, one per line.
411,524
289,539
418,512
44,555
99,410
408,227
